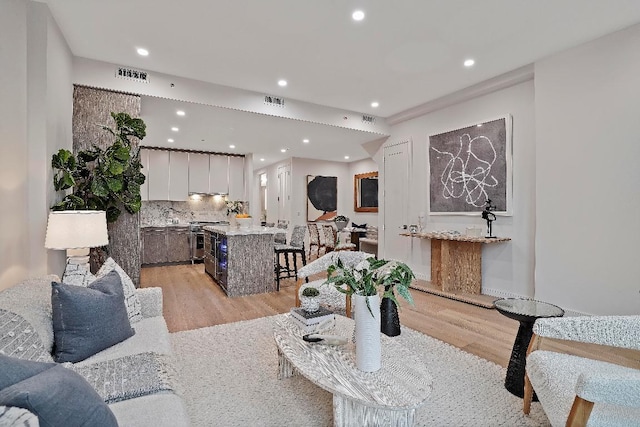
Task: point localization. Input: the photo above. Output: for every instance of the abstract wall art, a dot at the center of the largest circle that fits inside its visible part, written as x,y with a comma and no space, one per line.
469,165
322,197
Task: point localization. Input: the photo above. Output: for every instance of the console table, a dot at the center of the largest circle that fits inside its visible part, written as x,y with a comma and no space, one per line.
456,260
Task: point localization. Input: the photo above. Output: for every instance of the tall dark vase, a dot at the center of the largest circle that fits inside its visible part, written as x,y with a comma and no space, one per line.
389,320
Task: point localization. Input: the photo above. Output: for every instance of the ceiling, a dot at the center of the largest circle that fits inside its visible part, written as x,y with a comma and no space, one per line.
403,54
209,128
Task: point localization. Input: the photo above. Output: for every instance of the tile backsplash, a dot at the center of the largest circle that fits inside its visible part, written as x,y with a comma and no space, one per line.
208,208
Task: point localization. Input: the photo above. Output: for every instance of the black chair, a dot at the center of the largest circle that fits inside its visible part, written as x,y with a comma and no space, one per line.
295,247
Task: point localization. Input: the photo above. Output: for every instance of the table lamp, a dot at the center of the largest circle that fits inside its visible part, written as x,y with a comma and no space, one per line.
76,232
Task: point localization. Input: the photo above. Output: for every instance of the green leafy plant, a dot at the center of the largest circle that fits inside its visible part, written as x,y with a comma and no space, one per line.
103,179
371,276
310,292
341,218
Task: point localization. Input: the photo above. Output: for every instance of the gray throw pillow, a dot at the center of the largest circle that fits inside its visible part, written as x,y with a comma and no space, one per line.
19,339
134,308
59,397
88,320
14,370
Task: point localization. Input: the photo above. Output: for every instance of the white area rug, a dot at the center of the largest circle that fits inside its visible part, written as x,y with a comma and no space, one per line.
228,377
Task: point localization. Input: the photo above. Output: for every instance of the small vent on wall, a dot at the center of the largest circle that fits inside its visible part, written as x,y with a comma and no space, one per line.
368,119
274,100
131,74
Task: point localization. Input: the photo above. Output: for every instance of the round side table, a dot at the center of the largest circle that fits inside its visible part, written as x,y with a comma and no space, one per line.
525,311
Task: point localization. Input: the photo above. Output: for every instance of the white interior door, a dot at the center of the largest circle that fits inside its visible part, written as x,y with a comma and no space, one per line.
396,201
284,193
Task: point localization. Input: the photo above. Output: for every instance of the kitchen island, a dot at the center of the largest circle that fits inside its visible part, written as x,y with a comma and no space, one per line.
241,260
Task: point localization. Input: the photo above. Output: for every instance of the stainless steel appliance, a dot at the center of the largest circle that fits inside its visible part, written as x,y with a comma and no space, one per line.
196,239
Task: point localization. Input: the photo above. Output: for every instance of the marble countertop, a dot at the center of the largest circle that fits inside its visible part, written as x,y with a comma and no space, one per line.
235,231
186,224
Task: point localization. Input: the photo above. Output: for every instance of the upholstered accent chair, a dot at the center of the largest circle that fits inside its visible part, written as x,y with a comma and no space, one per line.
585,370
330,297
314,239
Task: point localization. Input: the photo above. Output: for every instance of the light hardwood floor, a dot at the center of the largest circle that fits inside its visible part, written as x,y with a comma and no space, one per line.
193,300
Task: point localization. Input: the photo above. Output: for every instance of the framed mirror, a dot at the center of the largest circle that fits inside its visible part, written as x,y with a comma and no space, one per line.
365,192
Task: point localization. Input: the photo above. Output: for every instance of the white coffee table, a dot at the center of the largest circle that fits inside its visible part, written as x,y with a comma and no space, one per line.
388,397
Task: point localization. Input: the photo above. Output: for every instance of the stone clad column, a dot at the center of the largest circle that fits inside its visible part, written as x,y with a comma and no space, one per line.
92,108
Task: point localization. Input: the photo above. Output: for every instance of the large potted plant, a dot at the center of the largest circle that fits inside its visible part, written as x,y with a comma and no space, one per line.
103,179
364,283
107,179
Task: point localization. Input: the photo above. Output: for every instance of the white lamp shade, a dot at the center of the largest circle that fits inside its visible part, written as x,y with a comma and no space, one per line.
76,229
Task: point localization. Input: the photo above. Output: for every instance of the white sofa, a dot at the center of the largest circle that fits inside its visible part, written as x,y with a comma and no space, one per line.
31,299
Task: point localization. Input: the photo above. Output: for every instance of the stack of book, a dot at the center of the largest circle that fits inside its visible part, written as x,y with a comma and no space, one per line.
309,321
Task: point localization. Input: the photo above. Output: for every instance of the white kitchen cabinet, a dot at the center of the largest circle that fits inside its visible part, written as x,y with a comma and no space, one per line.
144,160
178,176
236,178
218,174
158,175
198,173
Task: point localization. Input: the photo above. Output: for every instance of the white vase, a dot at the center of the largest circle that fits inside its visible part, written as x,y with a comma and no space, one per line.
368,345
310,304
233,221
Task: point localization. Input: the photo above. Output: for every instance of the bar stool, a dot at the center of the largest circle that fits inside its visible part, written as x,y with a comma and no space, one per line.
314,239
295,247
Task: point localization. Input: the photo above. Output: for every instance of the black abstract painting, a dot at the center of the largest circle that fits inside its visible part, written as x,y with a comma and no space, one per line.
322,197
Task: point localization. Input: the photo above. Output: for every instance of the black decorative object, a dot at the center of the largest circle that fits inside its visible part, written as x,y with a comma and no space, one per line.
490,217
389,320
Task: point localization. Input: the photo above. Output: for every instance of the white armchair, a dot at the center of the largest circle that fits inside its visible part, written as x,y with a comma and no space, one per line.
329,295
581,391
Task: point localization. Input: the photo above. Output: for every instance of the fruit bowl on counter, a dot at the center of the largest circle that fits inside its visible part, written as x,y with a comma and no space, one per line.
244,222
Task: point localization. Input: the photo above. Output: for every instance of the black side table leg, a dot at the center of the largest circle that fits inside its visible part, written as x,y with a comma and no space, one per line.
514,381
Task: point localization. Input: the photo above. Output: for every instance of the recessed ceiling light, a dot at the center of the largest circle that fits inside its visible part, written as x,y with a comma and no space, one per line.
358,15
282,83
283,150
306,140
346,157
480,125
170,140
142,52
175,129
262,160
375,104
469,62
180,113
232,146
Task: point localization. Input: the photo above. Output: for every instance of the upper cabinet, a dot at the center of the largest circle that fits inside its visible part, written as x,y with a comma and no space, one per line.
173,175
158,175
218,174
178,175
198,173
236,178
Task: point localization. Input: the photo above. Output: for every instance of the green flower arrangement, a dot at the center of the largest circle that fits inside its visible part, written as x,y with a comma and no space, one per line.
372,276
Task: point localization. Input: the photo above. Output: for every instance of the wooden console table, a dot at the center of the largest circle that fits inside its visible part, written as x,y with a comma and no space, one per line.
456,261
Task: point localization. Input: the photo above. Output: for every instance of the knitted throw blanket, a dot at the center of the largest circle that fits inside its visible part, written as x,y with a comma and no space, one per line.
129,376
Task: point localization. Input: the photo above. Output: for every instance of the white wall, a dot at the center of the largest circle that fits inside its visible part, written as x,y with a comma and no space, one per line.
36,115
507,268
369,218
300,168
13,142
588,169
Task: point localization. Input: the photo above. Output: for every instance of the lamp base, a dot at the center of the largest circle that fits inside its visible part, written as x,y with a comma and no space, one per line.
79,257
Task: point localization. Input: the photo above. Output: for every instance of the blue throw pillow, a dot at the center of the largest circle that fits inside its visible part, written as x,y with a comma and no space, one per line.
88,320
14,370
57,395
